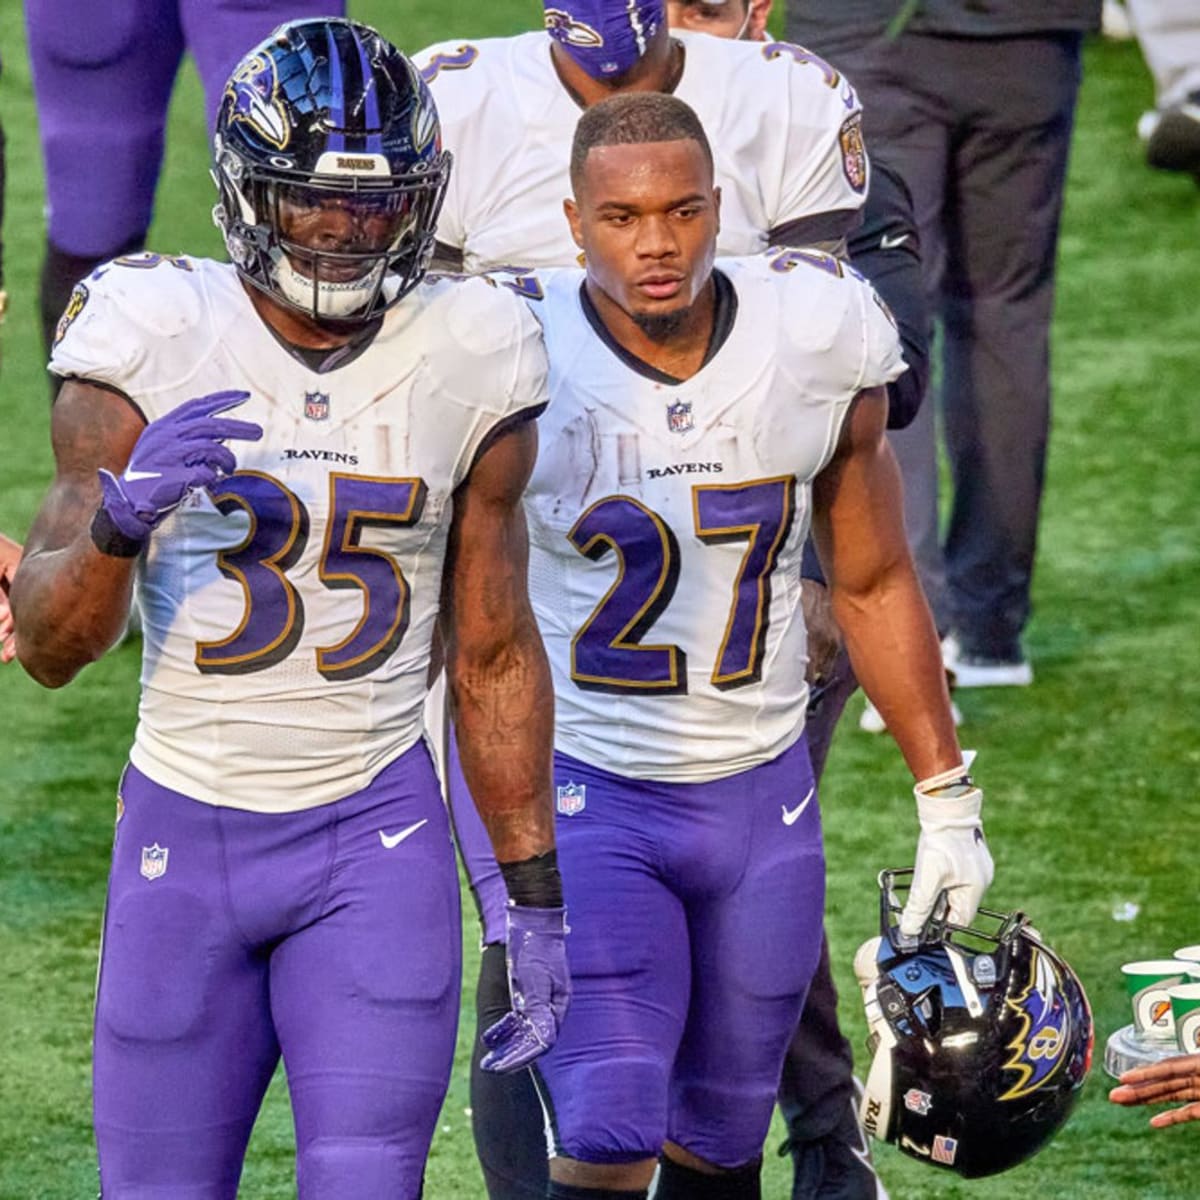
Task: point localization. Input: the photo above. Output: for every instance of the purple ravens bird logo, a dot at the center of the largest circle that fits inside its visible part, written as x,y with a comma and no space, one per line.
1036,1051
563,26
253,93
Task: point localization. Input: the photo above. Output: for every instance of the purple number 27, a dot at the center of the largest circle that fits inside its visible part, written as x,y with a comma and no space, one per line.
608,654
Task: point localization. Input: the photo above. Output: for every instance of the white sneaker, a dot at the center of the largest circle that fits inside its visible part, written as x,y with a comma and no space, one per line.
974,671
1114,21
871,720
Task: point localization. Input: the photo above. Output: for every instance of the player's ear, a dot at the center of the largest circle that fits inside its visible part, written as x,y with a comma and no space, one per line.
717,207
571,209
756,30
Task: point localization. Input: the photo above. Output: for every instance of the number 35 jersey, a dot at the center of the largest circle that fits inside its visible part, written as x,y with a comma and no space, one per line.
288,611
667,519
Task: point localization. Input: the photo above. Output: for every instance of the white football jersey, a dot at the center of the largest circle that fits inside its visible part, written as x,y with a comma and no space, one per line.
288,611
784,128
667,519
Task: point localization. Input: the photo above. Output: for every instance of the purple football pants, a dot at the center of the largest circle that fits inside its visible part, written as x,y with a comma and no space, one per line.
330,936
103,75
695,914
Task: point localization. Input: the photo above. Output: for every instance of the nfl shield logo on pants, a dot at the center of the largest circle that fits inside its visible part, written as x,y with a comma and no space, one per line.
154,861
572,798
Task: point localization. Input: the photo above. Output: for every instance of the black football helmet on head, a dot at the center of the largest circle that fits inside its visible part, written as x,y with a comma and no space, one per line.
980,1038
328,115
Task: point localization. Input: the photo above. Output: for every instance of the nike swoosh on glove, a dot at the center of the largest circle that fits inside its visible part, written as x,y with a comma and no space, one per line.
174,455
952,852
539,984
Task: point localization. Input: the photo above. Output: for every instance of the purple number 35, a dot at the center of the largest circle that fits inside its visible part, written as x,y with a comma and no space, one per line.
274,617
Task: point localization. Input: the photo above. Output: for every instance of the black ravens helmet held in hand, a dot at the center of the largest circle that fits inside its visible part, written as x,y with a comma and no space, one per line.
980,1038
328,159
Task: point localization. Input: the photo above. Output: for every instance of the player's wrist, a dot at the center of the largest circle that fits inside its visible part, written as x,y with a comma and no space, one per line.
111,539
534,882
949,800
120,512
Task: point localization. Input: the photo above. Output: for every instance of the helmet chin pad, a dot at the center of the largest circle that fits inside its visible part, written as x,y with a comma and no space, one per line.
326,299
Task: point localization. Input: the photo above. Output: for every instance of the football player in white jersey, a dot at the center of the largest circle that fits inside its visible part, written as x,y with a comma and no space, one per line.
701,417
784,125
283,880
775,175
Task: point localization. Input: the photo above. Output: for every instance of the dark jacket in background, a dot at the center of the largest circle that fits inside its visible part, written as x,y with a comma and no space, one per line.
821,23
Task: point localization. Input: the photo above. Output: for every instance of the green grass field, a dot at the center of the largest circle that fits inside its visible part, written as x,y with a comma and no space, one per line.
1091,774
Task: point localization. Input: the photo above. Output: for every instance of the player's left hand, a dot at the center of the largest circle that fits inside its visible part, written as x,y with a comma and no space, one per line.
952,853
540,985
1175,1078
10,555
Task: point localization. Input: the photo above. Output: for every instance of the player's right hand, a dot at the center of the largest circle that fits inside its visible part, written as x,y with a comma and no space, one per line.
539,984
175,455
824,636
952,853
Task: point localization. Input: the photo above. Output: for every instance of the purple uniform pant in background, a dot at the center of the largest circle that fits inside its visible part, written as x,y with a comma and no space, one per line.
103,76
329,935
695,914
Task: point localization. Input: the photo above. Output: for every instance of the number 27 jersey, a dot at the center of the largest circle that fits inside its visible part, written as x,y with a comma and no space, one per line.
667,519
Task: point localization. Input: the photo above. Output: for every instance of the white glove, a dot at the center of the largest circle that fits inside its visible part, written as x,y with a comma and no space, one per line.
951,852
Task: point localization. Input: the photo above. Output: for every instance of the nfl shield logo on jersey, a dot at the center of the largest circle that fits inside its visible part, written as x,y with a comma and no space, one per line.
572,798
154,861
679,417
316,406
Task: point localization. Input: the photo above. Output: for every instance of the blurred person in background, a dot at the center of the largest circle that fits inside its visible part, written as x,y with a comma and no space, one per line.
10,551
103,76
1168,32
974,104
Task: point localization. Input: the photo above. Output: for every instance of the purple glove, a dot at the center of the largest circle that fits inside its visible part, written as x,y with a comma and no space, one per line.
540,986
174,455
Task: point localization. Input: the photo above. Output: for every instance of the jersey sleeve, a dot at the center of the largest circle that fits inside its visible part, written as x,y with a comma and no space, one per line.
839,338
127,324
499,367
869,322
442,66
886,249
825,170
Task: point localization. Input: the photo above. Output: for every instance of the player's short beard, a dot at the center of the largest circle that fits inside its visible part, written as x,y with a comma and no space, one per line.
663,327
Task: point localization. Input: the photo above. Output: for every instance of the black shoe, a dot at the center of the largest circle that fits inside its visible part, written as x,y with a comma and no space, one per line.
1174,144
836,1166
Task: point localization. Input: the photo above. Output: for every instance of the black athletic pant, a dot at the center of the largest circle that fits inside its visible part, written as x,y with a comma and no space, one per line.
979,128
